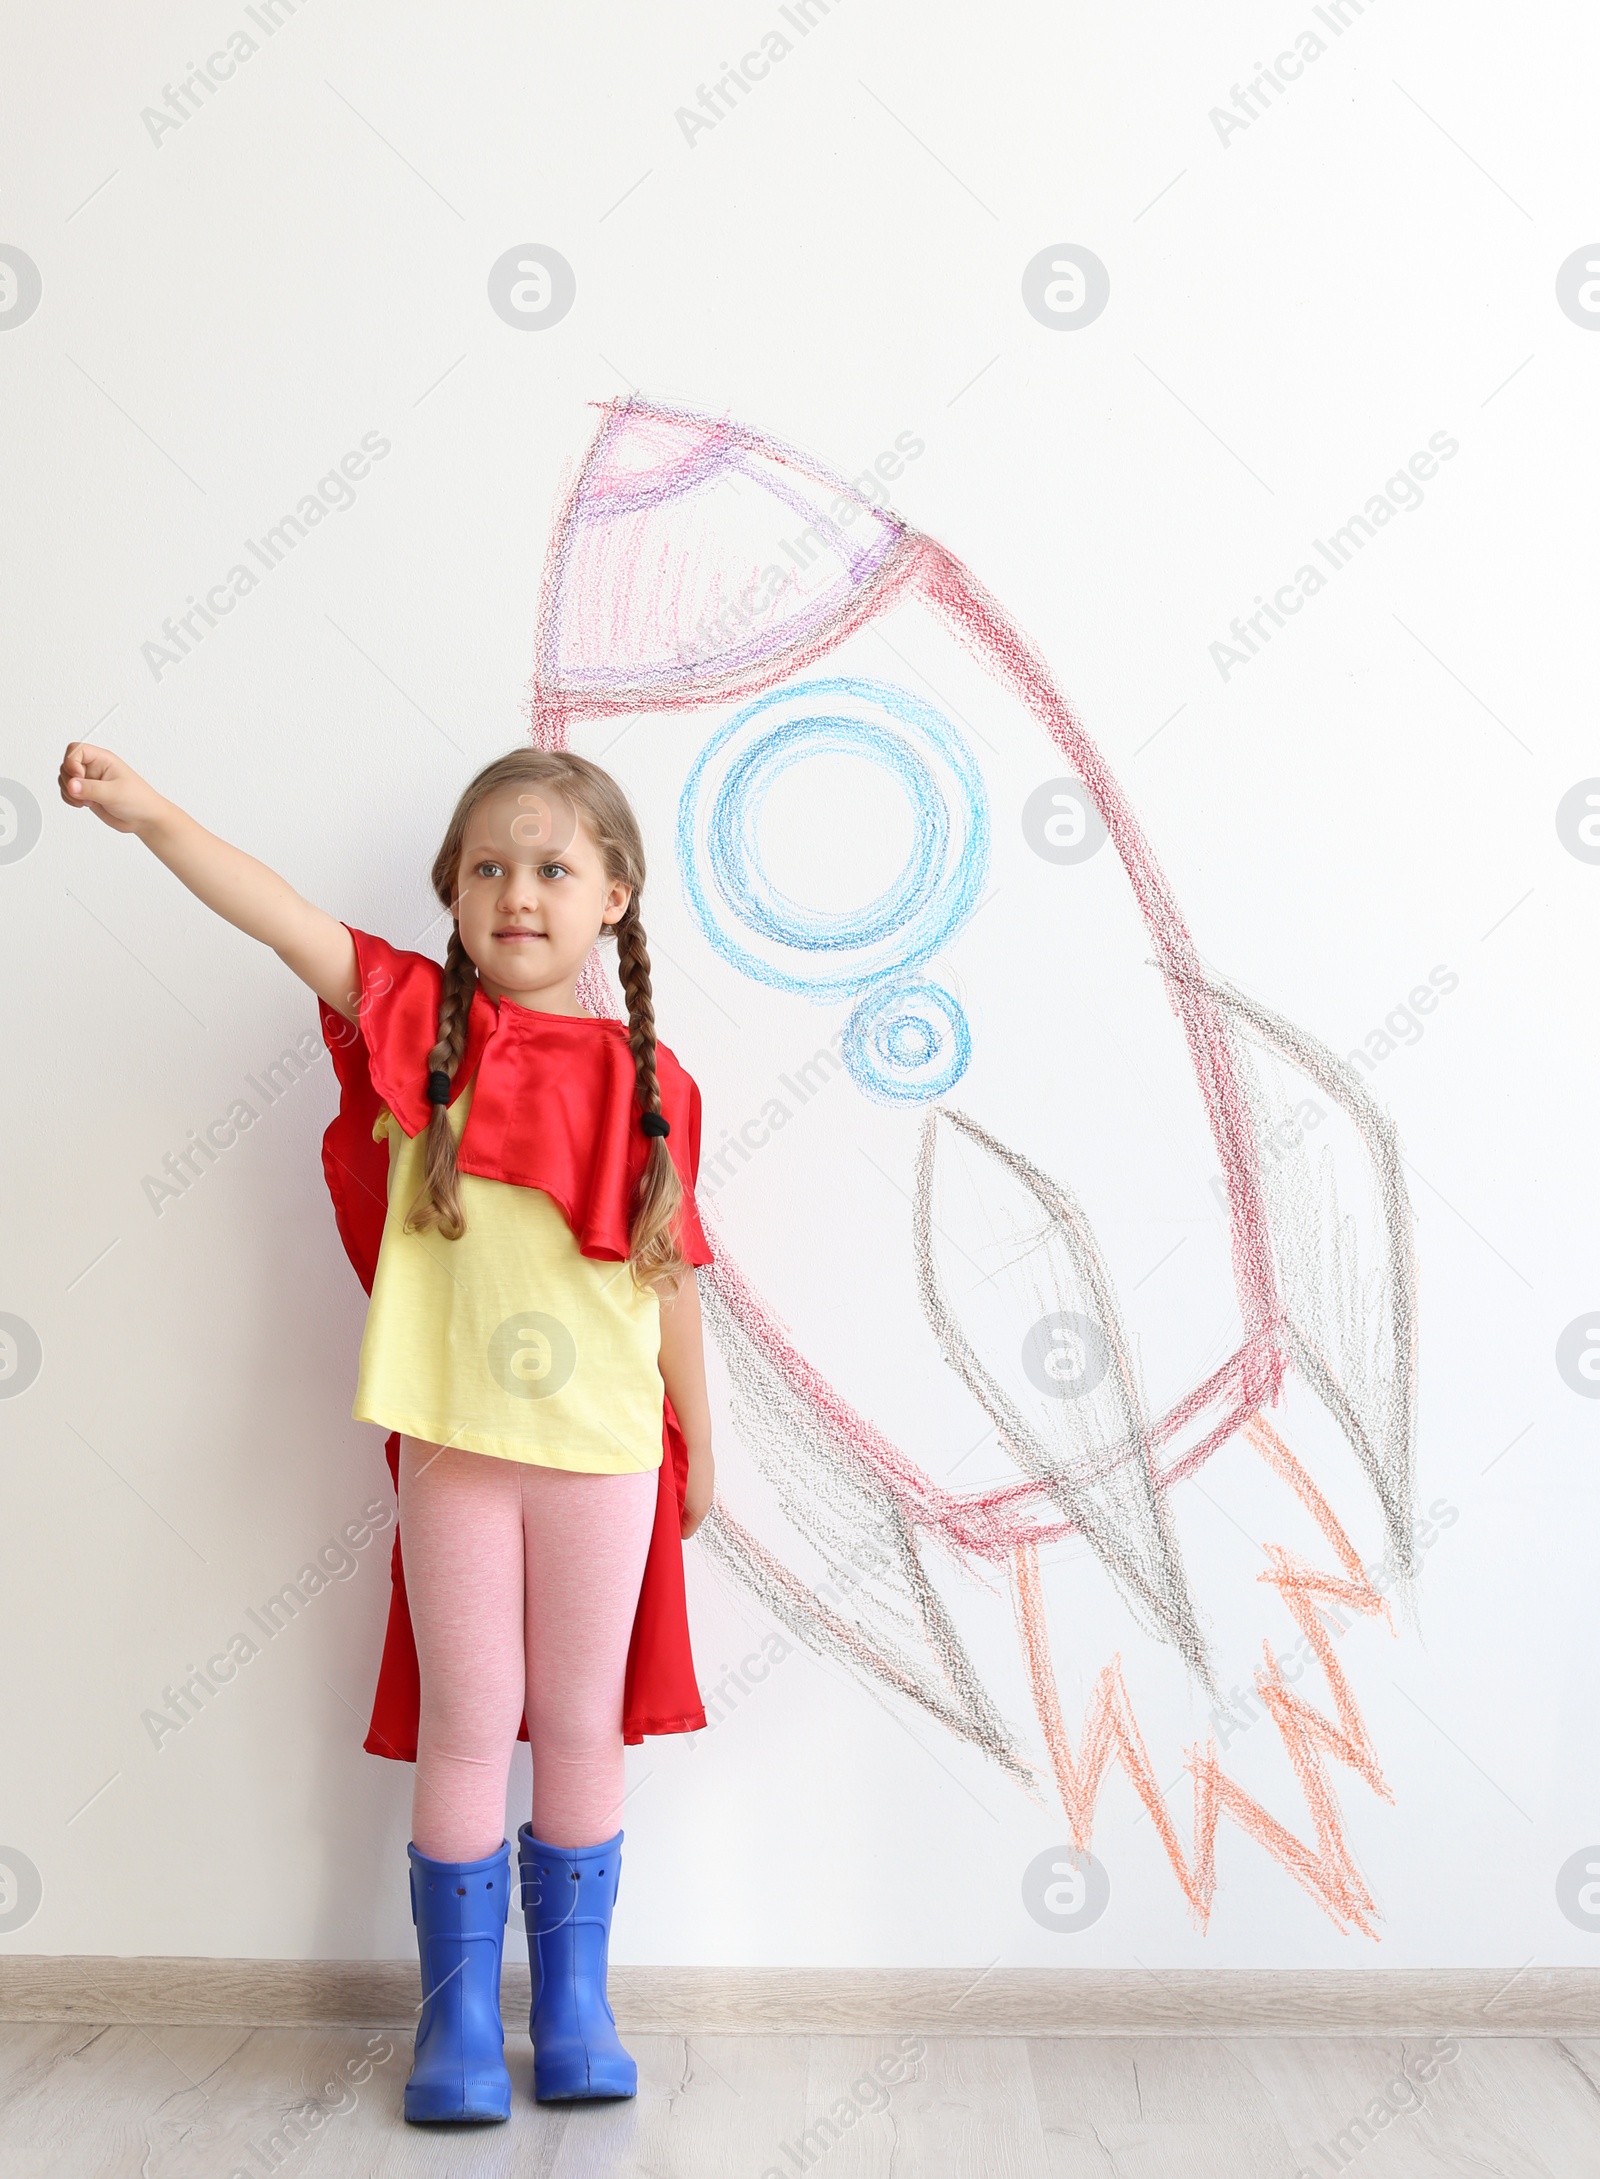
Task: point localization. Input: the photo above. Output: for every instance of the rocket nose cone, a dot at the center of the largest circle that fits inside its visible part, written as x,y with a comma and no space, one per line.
644,457
693,556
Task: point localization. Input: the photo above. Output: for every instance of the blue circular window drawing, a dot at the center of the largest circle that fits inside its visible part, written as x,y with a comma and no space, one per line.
906,1042
836,954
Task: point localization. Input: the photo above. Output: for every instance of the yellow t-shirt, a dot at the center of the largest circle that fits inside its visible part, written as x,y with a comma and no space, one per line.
509,1341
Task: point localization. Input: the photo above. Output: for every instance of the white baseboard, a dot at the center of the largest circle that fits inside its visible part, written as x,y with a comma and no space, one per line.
836,2001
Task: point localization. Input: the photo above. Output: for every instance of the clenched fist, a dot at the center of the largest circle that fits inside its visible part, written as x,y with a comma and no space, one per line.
98,780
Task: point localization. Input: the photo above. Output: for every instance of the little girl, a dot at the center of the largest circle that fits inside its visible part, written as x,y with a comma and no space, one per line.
534,1340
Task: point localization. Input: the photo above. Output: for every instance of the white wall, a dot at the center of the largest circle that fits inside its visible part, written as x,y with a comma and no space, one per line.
229,308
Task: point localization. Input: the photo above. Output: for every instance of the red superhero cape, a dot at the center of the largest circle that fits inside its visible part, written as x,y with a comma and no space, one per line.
557,1099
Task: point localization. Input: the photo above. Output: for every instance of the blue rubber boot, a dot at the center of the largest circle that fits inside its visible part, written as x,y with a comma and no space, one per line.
459,1907
567,1896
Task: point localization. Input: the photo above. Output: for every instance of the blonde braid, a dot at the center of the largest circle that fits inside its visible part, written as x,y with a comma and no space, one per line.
439,1198
654,1255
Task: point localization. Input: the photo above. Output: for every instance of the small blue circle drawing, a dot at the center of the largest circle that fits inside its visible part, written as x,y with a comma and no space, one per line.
906,1042
833,954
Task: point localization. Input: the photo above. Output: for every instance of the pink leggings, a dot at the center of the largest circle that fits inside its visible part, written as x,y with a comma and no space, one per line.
522,1583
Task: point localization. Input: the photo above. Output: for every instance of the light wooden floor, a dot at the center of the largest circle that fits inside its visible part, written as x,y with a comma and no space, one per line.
130,2102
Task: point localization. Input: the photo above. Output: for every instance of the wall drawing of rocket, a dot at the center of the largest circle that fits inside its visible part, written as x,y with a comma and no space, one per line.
1093,1097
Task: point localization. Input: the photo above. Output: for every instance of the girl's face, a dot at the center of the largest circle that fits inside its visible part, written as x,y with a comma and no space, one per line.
532,895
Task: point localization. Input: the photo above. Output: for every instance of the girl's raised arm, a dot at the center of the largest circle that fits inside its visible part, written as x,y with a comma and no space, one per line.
243,891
